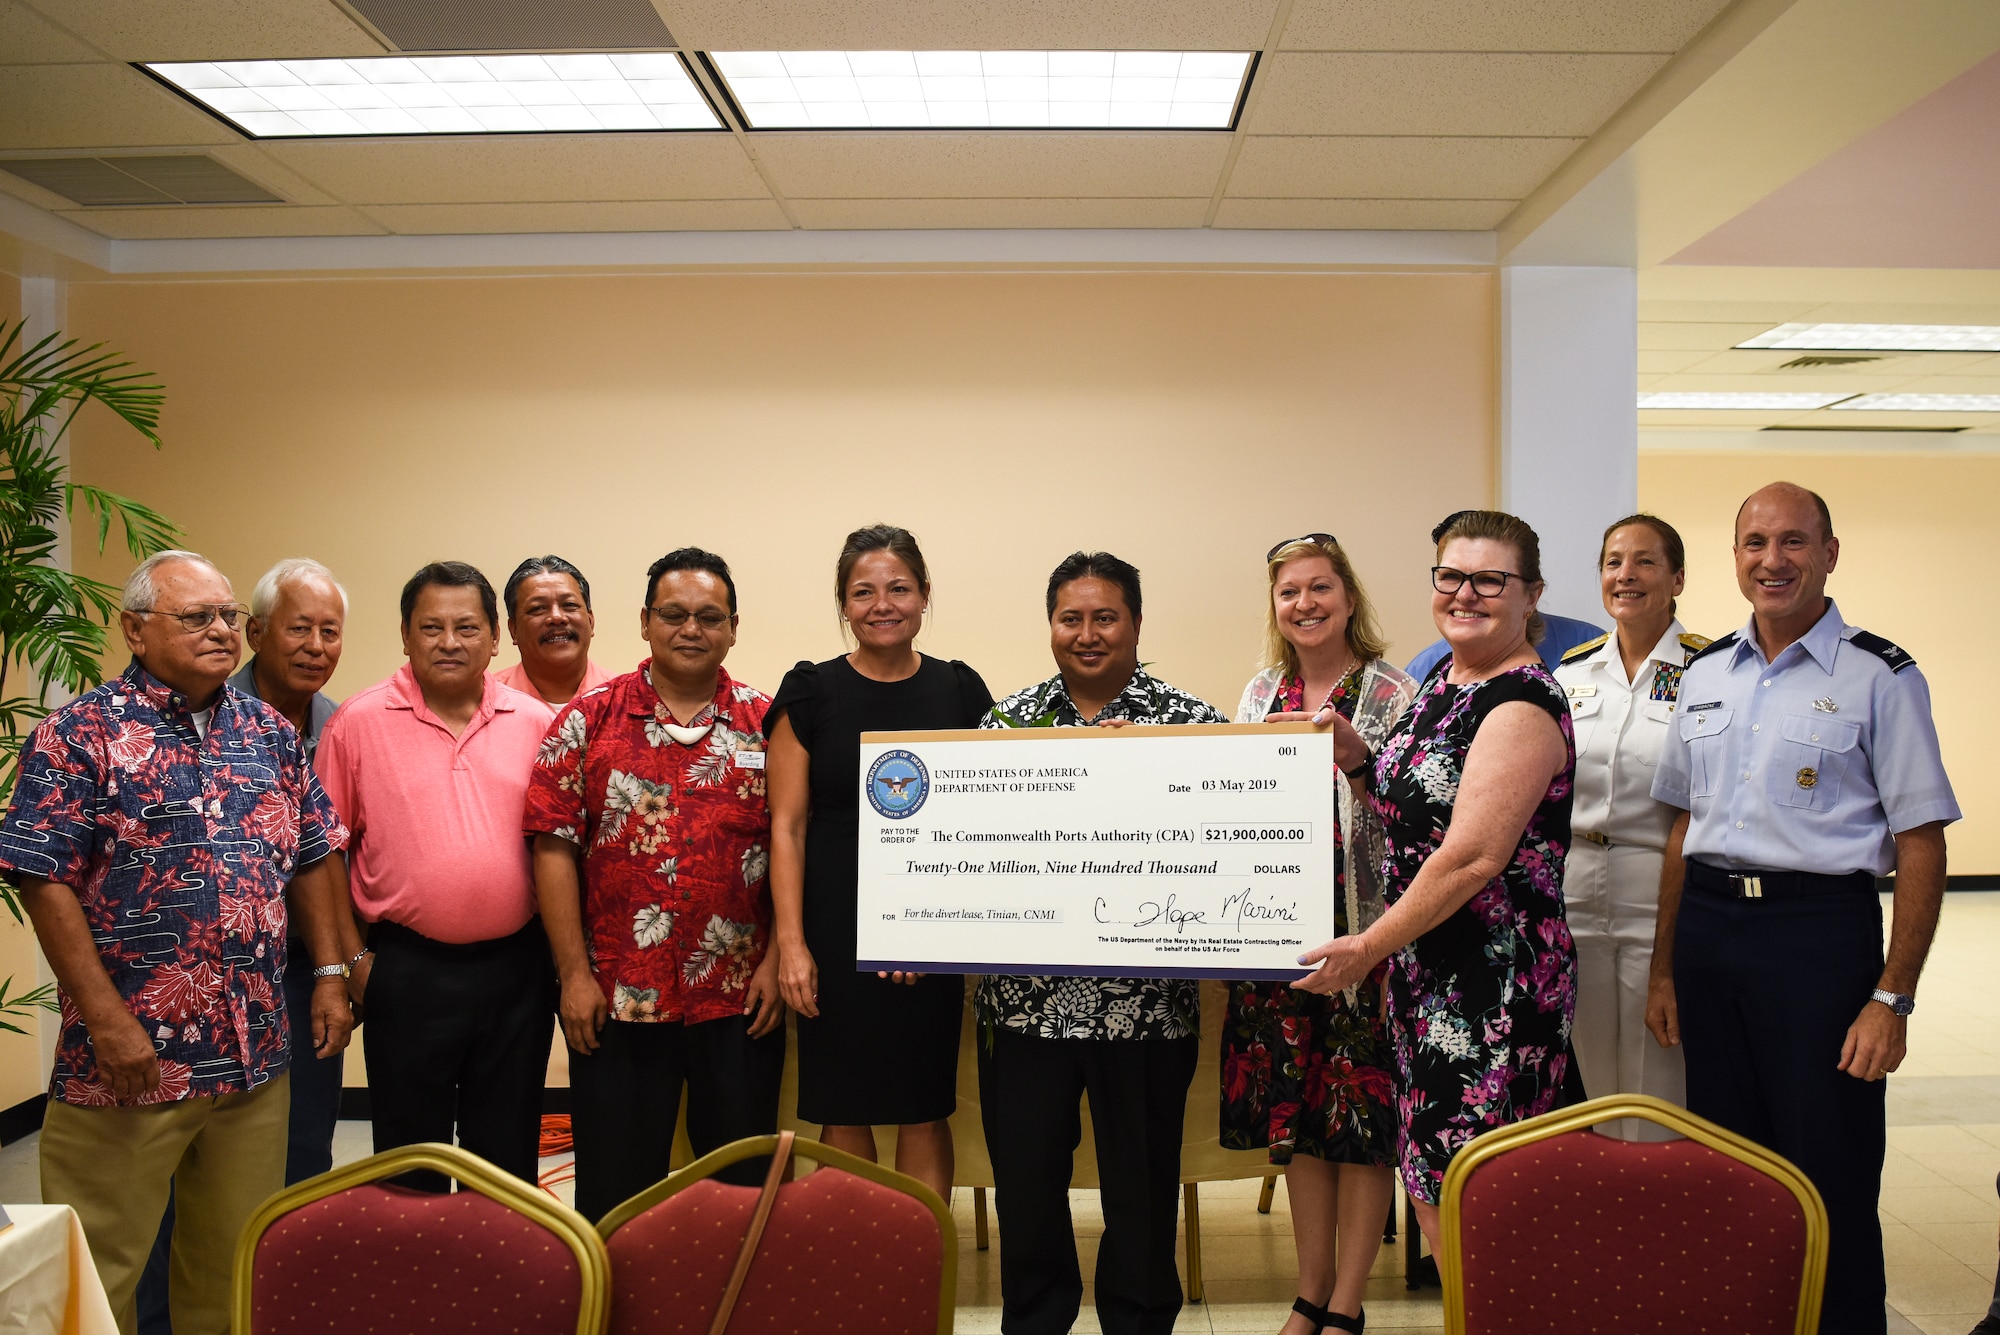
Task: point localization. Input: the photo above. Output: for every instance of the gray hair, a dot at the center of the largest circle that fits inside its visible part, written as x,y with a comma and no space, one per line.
290,571
140,591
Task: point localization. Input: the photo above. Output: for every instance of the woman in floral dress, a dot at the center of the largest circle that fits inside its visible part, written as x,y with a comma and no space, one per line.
1473,789
1308,1077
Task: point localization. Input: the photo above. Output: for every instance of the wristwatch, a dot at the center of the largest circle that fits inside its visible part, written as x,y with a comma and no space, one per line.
330,971
1896,1001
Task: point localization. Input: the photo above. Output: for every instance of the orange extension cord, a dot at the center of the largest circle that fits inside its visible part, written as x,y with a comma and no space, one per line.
556,1139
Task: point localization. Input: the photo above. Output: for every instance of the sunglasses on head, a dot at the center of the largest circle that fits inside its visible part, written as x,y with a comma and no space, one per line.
1316,539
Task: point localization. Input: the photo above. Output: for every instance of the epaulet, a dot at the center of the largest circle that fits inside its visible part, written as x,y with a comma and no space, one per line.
1712,646
1694,643
1586,649
1894,655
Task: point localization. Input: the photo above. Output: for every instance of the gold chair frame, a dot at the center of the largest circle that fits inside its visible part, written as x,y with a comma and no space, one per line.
1611,1108
593,1263
827,1157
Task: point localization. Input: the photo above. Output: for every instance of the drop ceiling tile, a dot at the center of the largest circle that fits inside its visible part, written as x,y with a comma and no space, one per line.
525,168
1656,362
1495,25
27,38
956,25
1394,167
97,107
1693,336
874,214
1771,312
1444,94
677,215
1441,215
241,221
214,29
890,166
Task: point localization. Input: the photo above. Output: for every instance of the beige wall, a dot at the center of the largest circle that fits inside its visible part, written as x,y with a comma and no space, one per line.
1185,422
1903,521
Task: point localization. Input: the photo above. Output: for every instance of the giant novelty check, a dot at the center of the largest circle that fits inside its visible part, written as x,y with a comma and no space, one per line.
1189,851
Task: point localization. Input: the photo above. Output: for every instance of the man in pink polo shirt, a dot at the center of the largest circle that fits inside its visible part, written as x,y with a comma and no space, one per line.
550,622
430,771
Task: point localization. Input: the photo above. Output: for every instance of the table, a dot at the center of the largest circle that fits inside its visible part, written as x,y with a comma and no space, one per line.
48,1283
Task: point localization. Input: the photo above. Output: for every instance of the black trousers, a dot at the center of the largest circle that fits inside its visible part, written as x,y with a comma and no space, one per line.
1767,989
625,1097
1029,1092
458,1041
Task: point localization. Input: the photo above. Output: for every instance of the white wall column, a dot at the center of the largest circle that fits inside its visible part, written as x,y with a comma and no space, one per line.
1569,430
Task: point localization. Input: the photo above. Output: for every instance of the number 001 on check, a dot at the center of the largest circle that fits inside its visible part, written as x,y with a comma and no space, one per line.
1199,850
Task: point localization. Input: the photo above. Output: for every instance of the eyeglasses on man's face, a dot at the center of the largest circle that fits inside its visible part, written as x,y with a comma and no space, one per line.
676,617
196,619
1485,583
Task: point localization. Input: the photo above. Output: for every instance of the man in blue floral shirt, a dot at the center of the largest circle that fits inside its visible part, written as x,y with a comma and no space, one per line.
1128,1043
157,825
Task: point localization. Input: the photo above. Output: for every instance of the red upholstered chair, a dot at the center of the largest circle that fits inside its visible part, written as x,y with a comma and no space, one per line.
852,1247
1551,1228
346,1254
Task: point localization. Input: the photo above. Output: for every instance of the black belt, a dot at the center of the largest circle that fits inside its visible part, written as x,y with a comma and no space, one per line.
385,930
1776,884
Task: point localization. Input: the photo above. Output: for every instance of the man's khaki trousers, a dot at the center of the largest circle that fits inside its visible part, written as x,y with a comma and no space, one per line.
222,1156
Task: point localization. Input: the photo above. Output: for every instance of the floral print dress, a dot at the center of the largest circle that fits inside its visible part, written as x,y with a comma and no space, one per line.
1479,1006
1303,1073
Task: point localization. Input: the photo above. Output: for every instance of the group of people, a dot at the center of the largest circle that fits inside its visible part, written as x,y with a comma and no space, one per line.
1548,884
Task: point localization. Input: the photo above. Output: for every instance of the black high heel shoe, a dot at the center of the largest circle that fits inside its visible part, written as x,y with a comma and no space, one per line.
1353,1324
1317,1315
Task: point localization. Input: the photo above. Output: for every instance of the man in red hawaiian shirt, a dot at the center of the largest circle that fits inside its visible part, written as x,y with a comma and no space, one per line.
160,827
651,844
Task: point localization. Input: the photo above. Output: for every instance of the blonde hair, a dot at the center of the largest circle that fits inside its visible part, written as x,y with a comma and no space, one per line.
1499,526
1364,635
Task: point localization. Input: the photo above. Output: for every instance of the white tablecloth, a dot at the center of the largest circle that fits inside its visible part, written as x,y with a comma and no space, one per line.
48,1284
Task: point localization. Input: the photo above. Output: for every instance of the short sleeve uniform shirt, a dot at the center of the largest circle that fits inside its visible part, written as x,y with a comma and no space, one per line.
1810,762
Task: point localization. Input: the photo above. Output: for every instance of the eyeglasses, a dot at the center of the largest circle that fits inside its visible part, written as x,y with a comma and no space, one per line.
676,617
1485,583
1316,539
195,620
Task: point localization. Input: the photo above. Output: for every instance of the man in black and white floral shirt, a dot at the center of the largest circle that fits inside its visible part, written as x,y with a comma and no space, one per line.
1128,1043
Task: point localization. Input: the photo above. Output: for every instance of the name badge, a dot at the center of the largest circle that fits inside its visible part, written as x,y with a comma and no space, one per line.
749,759
1581,692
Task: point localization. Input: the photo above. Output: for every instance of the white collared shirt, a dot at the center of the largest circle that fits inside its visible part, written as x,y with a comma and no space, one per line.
1620,727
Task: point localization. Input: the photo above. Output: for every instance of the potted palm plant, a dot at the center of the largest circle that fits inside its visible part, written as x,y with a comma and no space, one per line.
53,622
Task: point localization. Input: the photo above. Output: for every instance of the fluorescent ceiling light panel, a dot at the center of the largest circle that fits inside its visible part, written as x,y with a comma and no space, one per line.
1925,403
1011,90
395,95
1740,402
1881,337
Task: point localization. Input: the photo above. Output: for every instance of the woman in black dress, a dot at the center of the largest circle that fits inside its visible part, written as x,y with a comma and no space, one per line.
874,1049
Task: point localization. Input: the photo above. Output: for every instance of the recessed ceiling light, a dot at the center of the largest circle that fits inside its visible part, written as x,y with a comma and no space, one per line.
1741,402
1881,337
847,90
1925,403
401,95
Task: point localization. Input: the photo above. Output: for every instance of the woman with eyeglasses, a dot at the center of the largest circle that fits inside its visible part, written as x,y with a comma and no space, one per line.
1306,1076
874,1049
1473,789
1622,690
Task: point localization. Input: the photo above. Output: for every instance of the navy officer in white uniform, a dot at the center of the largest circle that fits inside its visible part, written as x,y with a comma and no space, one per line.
1805,763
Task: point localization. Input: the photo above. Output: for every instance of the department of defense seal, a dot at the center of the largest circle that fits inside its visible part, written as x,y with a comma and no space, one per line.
897,785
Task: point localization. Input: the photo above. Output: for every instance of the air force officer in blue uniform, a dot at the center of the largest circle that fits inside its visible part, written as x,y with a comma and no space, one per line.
1805,763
